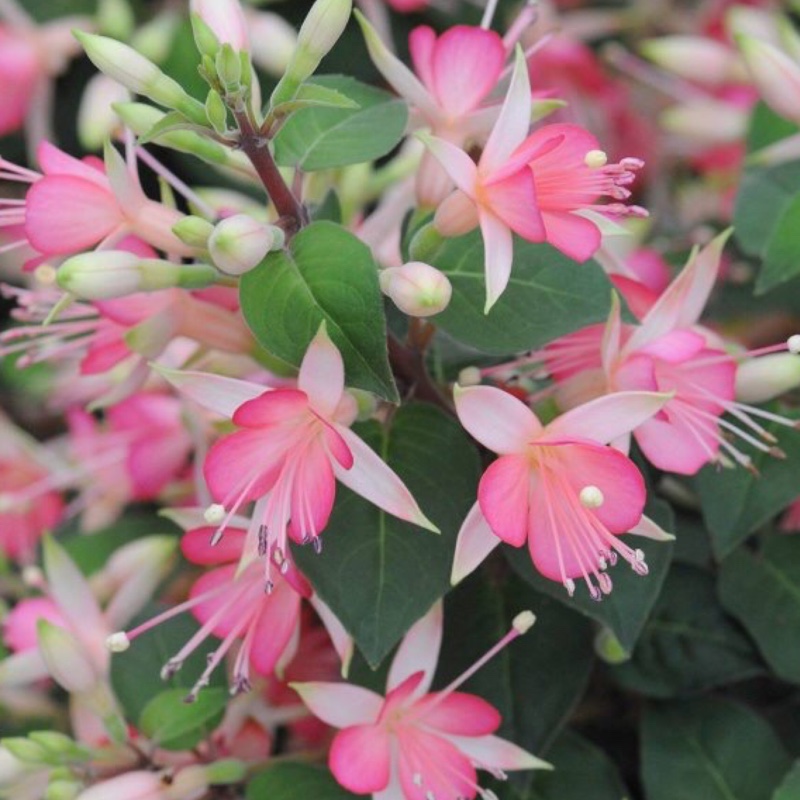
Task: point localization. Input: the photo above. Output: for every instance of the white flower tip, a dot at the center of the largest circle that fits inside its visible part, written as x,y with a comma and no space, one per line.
591,497
469,376
424,522
118,642
595,159
214,514
523,622
793,344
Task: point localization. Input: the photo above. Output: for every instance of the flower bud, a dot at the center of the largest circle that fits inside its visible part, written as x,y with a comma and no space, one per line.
608,647
62,789
217,112
23,749
97,120
105,274
229,770
137,785
229,68
193,231
240,243
693,58
274,41
761,379
775,75
115,18
706,121
226,21
416,288
319,32
139,74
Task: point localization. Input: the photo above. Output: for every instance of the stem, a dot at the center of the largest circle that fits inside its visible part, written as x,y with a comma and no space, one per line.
409,364
254,146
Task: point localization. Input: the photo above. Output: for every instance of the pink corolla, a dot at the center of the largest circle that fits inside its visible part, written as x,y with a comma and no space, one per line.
669,352
291,447
544,187
414,744
76,205
557,487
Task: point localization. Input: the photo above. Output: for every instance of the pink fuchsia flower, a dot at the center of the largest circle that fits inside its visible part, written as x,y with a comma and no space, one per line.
415,744
557,487
669,352
76,205
292,446
543,187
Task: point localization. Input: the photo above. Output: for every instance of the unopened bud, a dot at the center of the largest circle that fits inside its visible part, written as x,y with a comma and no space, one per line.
608,647
416,288
761,379
523,622
97,120
217,112
274,41
63,789
319,32
229,68
115,18
227,771
105,274
193,231
239,243
225,19
775,75
205,39
137,73
694,58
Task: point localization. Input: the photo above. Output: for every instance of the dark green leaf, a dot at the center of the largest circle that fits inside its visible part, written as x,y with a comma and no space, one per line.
790,785
136,673
537,680
548,296
736,503
323,138
626,609
764,194
709,748
172,723
766,128
294,781
378,574
692,544
763,592
689,644
782,256
582,772
326,274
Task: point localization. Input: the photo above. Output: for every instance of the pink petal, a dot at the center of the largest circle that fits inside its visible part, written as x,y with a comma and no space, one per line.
273,407
22,669
467,63
674,445
493,751
498,247
639,298
19,625
431,766
419,651
455,162
475,542
340,704
218,394
67,215
675,346
321,375
196,546
606,418
374,480
278,620
513,122
497,419
460,713
54,161
341,639
570,233
313,493
503,497
513,200
421,46
651,530
360,758
609,346
155,462
336,446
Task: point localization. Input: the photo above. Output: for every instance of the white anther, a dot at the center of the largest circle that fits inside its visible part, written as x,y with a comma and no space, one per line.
214,514
118,642
595,159
523,622
591,497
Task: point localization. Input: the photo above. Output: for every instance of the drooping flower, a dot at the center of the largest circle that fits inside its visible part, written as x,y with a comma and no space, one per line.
558,487
543,187
291,447
415,744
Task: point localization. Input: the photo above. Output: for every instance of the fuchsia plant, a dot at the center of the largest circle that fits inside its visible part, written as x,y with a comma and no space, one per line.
413,303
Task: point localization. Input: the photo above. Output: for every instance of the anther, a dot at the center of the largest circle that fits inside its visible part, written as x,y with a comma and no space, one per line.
605,583
316,543
170,668
595,593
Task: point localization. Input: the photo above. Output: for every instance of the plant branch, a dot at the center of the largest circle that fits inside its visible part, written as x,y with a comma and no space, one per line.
408,363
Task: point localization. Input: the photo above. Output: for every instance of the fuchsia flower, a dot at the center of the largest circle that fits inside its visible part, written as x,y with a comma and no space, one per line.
415,744
77,205
292,446
556,487
544,187
668,352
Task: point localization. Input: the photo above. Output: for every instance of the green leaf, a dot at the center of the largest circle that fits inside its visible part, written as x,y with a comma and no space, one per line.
709,748
763,592
764,195
548,295
582,772
323,138
326,274
736,503
169,123
378,574
536,681
766,128
628,606
790,785
782,256
172,723
291,781
689,644
136,673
